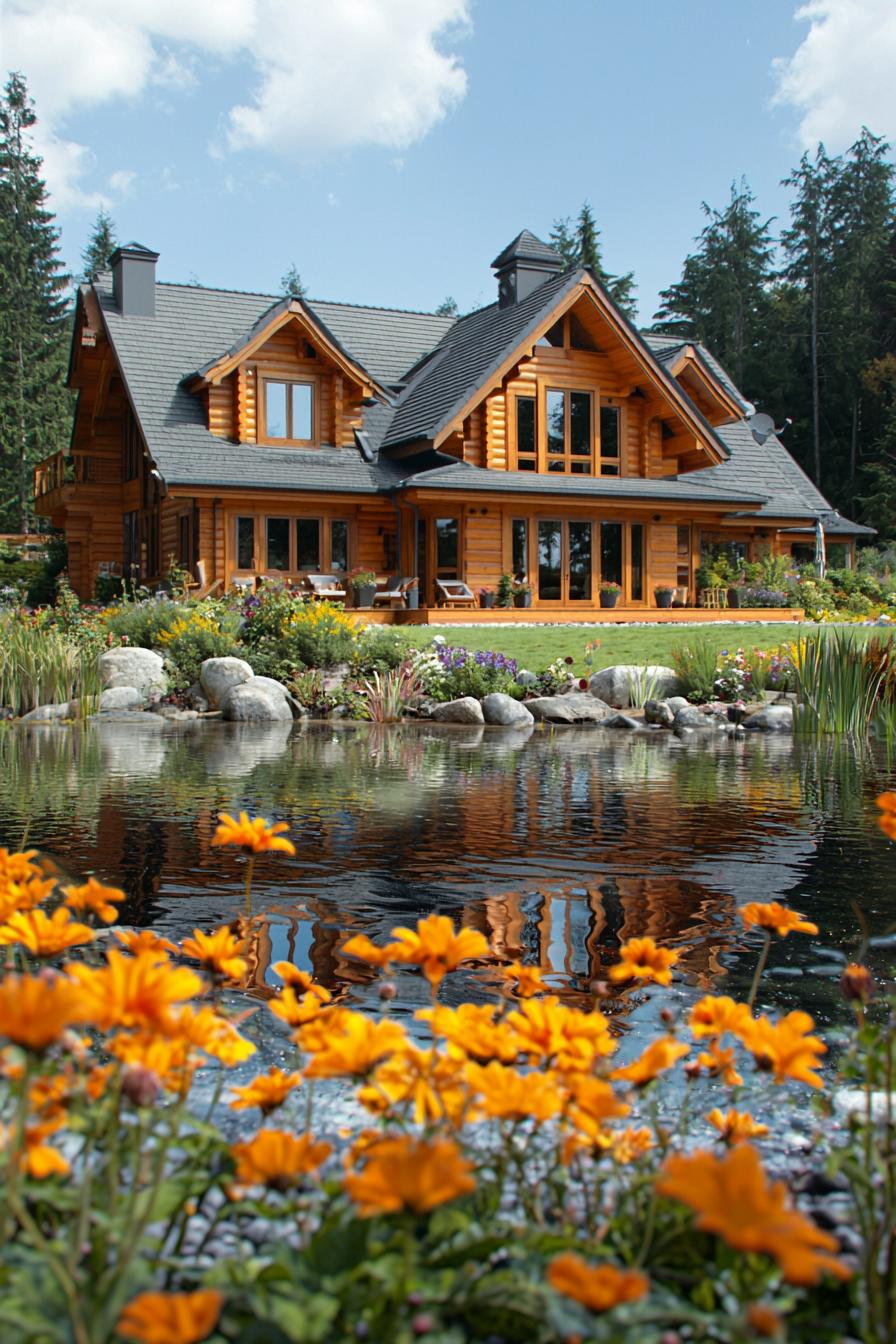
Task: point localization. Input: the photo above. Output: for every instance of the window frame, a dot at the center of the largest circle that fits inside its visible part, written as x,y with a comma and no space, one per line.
568,457
313,383
260,519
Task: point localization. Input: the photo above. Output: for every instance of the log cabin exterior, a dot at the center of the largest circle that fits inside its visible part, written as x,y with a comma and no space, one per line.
543,435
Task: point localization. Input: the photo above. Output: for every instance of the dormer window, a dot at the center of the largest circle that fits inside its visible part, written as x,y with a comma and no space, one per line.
288,412
566,430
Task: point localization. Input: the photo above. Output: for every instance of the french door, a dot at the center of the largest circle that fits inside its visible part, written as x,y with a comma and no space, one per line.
565,561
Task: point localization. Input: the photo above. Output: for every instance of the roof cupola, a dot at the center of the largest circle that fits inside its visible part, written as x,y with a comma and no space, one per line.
524,265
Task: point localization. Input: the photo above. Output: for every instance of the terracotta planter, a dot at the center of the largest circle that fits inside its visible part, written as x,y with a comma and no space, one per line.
609,599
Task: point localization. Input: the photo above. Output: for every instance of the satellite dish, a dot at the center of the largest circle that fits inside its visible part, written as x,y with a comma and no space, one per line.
762,427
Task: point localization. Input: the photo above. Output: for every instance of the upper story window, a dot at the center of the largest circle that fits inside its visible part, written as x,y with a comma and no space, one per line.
288,412
569,442
567,430
610,441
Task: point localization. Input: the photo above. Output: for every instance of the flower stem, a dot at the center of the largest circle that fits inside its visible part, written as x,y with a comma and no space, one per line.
760,967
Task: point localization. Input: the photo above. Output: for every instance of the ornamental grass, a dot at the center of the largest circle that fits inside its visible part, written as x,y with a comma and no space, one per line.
510,1178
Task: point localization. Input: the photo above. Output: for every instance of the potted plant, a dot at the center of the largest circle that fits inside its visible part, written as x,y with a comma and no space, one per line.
663,596
363,582
609,593
486,598
504,594
522,594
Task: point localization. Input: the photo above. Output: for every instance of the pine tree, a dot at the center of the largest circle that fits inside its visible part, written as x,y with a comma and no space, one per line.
291,284
448,307
722,297
35,406
578,244
97,255
563,241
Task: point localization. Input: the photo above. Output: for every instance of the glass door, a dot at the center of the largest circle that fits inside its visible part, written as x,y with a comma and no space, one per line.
550,560
565,561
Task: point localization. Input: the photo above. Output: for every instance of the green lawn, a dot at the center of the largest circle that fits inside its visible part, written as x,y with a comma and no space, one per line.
535,646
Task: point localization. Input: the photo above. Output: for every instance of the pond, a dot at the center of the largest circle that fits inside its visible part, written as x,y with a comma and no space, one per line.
557,847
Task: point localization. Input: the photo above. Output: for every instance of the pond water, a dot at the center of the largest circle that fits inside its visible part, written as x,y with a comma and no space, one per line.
557,847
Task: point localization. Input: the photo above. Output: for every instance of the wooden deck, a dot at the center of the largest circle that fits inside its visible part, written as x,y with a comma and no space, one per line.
584,616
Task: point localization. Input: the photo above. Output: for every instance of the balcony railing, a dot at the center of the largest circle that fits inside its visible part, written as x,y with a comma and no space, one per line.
59,470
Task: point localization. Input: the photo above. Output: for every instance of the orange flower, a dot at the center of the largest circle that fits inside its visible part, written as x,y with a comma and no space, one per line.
436,948
764,1321
407,1173
267,1091
38,1158
43,936
291,975
92,895
133,991
857,983
353,1046
207,1030
716,1014
295,1011
36,1010
570,1039
362,949
18,866
719,1062
775,917
630,1144
471,1031
172,1061
278,1159
592,1101
736,1126
432,1083
524,980
597,1287
24,892
171,1318
643,960
256,835
507,1094
655,1059
217,951
785,1048
138,943
887,821
733,1199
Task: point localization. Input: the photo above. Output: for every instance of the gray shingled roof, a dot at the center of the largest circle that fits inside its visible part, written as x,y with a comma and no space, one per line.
526,247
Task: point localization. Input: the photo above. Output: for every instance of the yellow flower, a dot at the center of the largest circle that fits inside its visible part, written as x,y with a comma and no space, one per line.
736,1126
567,1038
352,1045
207,1030
641,959
719,1062
436,948
714,1015
630,1144
36,1010
295,1011
171,1318
775,917
138,943
24,893
433,1083
133,991
363,949
43,936
278,1159
255,835
785,1048
597,1287
733,1199
590,1103
267,1091
471,1031
218,951
524,980
291,975
655,1059
405,1173
887,820
18,866
92,895
506,1094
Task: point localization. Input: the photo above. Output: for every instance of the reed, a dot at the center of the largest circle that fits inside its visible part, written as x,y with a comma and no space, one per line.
42,666
697,665
838,686
389,694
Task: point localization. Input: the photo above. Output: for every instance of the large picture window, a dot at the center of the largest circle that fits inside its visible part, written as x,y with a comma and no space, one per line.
569,431
289,545
288,411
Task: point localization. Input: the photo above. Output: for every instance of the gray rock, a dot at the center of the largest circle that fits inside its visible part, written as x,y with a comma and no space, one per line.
173,714
467,709
677,702
333,677
197,698
144,669
526,678
773,719
573,707
245,703
624,684
659,712
217,676
692,717
620,721
503,710
51,713
120,697
134,718
277,688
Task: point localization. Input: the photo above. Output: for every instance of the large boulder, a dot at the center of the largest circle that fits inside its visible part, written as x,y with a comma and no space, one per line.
217,676
142,669
467,709
120,697
504,711
247,702
659,712
624,684
690,716
573,707
776,718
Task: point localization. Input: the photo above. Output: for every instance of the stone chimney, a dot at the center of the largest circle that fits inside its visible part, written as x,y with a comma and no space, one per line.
134,280
524,265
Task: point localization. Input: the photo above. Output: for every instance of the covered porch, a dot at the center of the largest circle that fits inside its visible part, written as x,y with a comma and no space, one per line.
585,615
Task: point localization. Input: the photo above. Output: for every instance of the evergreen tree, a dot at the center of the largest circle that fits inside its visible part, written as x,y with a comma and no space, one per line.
578,244
291,284
97,255
563,241
35,406
722,298
448,307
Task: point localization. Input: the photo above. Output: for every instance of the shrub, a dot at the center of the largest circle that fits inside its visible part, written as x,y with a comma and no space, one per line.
192,637
141,623
758,596
286,634
455,672
378,648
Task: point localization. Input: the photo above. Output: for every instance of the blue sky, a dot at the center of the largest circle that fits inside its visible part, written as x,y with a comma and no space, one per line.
392,161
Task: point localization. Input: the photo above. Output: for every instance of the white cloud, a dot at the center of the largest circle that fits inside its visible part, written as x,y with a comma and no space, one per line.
325,76
841,76
121,182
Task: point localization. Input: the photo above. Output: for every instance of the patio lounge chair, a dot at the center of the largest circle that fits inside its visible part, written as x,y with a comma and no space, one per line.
395,592
454,593
327,587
